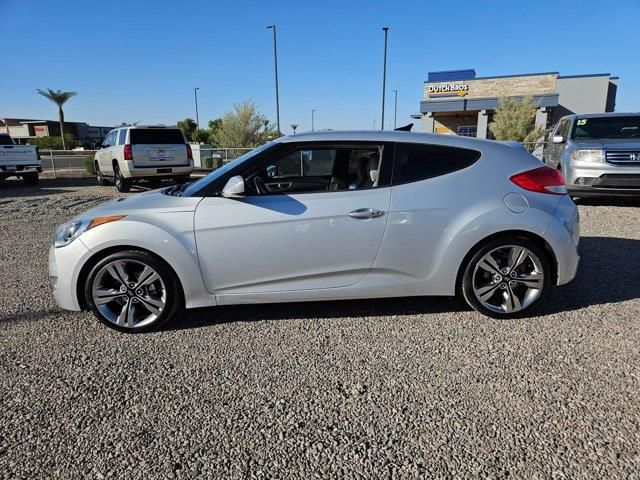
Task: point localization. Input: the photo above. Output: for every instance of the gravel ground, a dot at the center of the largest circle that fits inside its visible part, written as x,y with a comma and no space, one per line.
364,389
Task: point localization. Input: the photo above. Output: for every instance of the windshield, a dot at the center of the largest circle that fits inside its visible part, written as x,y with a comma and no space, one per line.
607,127
216,174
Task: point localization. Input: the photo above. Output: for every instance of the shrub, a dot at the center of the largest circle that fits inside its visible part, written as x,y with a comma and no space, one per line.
89,164
53,143
217,162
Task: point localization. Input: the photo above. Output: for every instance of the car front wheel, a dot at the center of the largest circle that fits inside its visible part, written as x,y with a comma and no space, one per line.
506,277
132,291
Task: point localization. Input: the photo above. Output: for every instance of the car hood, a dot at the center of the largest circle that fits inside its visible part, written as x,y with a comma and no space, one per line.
610,143
153,201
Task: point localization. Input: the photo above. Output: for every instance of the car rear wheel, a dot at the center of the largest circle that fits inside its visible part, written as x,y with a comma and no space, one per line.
132,291
122,184
506,277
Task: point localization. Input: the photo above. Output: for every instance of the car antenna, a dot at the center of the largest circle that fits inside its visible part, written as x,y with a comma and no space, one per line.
406,128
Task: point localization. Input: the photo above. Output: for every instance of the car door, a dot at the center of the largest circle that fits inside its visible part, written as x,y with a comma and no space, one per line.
295,231
103,155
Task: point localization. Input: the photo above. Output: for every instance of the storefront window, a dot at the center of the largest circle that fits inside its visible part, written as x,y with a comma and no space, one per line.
468,131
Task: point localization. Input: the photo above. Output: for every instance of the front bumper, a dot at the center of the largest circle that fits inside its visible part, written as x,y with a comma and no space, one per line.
602,179
64,269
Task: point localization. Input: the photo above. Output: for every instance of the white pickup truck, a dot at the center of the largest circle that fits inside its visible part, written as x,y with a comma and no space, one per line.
19,160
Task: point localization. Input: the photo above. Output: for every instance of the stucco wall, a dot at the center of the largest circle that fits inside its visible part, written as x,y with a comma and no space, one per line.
502,87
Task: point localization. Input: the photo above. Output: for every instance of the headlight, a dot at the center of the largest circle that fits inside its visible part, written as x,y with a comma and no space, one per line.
588,155
68,232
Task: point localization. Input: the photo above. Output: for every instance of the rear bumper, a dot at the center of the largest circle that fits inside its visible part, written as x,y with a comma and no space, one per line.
563,235
19,170
156,171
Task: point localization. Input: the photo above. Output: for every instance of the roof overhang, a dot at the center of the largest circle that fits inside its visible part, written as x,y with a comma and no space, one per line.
486,103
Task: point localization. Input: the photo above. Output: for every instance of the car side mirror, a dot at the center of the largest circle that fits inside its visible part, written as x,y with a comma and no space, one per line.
557,139
234,187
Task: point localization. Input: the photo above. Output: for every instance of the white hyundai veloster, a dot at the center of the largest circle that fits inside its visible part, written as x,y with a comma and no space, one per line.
325,216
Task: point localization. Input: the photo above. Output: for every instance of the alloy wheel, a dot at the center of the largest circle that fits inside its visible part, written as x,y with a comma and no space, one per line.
508,279
129,293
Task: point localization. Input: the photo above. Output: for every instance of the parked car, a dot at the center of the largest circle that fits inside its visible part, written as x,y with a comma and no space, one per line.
598,154
143,152
325,216
21,161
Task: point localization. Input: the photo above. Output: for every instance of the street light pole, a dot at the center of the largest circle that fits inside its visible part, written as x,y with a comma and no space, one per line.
312,120
275,60
384,74
195,94
395,109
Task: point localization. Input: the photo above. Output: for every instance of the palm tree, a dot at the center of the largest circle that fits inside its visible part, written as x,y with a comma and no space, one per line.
294,126
59,98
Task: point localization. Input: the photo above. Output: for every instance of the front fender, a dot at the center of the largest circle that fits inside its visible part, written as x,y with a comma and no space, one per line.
168,235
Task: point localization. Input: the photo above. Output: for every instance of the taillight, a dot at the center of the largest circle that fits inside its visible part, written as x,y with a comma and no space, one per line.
128,153
544,180
189,152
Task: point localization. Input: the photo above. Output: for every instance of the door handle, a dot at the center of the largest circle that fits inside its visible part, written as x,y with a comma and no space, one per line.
364,213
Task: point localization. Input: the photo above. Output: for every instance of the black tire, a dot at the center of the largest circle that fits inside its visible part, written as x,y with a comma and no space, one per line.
103,182
174,295
30,179
466,282
123,185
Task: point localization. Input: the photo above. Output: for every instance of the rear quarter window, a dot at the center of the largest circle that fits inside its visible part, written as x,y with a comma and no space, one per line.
414,162
148,136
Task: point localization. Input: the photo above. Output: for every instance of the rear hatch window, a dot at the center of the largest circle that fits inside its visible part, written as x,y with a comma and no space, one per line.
151,136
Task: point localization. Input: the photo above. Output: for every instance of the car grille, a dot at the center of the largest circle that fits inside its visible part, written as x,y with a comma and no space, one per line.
623,157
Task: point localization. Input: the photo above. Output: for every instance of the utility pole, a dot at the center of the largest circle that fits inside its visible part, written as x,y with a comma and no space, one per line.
312,120
384,74
195,94
395,109
275,60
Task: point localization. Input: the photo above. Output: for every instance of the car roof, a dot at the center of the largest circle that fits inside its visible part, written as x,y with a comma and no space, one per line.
386,136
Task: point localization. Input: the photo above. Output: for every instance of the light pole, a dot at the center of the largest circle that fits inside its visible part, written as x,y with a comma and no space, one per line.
384,74
195,94
395,109
275,60
312,120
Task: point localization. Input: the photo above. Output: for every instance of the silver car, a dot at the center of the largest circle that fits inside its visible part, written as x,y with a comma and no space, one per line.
598,154
325,216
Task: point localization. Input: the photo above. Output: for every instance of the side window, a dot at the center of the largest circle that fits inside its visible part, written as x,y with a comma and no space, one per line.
318,169
414,162
109,141
122,136
564,130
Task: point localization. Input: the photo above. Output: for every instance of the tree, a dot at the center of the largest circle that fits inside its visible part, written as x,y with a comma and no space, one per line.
515,120
200,136
214,126
188,126
59,98
243,127
294,126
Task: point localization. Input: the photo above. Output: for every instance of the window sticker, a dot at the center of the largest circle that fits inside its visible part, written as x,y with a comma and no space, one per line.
582,121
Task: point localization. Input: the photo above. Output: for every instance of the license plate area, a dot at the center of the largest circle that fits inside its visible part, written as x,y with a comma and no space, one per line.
164,170
160,154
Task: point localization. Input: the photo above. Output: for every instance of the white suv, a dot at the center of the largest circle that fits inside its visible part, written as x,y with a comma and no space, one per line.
135,153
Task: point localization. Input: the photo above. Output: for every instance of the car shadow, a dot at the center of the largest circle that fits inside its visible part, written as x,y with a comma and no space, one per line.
609,201
609,272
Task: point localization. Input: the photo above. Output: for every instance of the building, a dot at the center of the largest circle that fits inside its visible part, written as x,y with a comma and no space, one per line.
459,102
23,129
